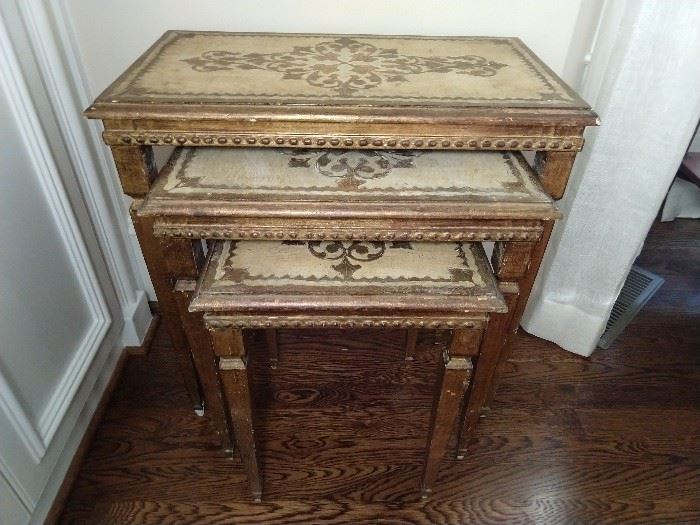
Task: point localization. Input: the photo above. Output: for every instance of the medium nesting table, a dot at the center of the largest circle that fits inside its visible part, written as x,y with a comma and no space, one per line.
353,198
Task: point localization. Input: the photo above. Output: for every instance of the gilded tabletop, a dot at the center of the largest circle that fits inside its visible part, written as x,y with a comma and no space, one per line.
346,175
186,67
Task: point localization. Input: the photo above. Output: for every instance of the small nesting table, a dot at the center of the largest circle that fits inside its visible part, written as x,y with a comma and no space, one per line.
302,284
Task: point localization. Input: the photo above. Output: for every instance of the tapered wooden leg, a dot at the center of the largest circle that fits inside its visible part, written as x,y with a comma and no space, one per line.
137,171
515,265
273,349
206,364
185,259
411,338
452,385
163,285
493,343
524,274
236,380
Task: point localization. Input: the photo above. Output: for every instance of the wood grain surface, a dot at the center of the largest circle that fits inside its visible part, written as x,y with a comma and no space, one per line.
611,439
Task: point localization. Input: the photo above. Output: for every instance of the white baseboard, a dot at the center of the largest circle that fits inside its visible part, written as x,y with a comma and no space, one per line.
91,400
137,320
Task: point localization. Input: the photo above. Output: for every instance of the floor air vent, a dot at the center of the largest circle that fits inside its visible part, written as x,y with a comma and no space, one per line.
639,287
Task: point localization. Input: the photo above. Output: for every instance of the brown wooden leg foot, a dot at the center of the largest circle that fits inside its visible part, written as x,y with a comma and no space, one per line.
484,372
236,380
206,364
411,338
163,285
452,384
515,265
272,346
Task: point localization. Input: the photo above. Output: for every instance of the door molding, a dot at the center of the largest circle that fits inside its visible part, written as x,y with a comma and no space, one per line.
37,437
27,501
53,42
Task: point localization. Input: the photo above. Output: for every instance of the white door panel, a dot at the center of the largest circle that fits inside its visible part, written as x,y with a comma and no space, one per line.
12,510
49,314
57,336
70,297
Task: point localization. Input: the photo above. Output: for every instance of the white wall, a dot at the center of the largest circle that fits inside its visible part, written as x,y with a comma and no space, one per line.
110,35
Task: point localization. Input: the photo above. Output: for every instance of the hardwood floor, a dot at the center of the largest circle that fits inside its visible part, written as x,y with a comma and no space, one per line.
343,422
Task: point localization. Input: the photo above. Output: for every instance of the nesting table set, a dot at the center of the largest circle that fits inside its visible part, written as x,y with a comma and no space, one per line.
343,182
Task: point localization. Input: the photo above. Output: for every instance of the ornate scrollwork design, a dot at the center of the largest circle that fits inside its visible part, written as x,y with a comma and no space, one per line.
344,65
352,168
347,252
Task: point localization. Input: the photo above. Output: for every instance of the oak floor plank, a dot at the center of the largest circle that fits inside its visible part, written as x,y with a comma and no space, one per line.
481,511
342,423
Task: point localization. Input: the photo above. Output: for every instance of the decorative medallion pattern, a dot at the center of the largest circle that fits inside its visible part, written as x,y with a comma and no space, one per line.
352,168
345,268
344,65
346,252
405,281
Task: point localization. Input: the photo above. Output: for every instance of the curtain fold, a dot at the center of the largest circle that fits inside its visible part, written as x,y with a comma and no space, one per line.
648,97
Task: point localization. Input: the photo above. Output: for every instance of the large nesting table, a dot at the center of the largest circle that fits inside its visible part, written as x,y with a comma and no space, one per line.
346,139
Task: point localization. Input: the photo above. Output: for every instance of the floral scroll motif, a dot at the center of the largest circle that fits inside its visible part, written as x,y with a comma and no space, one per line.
347,252
345,65
352,168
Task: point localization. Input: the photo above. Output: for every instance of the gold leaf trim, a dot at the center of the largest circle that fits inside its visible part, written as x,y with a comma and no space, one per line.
223,232
537,143
457,363
231,363
220,322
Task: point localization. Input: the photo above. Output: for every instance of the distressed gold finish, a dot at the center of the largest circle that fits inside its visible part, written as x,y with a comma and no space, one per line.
332,64
341,91
267,68
475,141
229,229
266,284
393,102
337,177
358,321
285,194
307,278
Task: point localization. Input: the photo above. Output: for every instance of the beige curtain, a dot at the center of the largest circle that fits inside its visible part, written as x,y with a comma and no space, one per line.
644,81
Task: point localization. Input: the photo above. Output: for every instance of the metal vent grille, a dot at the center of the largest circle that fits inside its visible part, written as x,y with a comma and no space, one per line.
639,287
